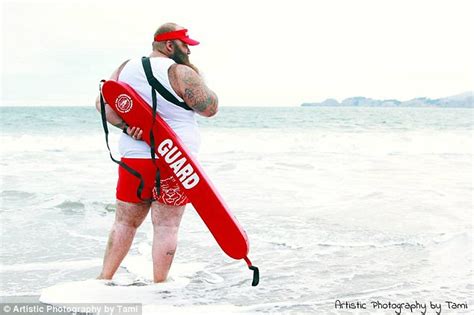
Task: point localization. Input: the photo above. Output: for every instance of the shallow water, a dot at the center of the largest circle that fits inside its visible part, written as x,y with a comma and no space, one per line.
350,204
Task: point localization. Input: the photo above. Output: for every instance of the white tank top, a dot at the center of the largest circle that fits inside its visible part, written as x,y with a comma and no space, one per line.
182,121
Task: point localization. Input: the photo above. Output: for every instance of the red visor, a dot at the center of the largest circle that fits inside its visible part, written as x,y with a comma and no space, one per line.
182,35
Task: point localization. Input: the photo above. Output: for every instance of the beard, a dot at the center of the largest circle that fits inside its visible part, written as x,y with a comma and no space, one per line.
179,56
182,58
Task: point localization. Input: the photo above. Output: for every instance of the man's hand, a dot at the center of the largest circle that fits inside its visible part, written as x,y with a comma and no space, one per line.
135,132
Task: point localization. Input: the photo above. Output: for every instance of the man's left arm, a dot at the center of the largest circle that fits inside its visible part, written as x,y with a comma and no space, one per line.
112,117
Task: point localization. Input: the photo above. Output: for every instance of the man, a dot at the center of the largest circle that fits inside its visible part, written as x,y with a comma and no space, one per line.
171,66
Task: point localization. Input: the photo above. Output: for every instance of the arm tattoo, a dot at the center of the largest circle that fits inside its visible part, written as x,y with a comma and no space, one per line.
196,94
199,100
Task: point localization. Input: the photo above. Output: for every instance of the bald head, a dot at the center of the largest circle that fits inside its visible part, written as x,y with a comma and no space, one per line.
176,49
165,28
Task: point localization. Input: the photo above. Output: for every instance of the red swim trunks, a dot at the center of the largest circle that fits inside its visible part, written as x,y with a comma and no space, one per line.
170,192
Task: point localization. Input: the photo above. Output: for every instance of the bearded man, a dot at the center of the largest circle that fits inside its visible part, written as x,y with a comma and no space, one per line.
170,65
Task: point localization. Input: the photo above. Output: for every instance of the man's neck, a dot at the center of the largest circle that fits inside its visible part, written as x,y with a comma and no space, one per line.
156,53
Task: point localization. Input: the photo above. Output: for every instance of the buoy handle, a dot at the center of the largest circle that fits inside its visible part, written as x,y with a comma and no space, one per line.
256,272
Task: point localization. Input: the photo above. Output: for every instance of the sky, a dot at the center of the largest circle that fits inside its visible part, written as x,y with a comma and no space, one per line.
252,53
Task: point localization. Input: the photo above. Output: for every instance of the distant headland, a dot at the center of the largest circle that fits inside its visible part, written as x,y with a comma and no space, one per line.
460,100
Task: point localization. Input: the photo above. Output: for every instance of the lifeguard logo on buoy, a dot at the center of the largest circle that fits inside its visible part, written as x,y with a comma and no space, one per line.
123,103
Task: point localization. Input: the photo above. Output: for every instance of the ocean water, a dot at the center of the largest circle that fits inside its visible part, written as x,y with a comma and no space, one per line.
349,204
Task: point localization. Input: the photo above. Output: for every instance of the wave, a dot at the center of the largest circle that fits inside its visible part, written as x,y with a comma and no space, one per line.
8,195
101,240
62,265
71,205
55,143
300,143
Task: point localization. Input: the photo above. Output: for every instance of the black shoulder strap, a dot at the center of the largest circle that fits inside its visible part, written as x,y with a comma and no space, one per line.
159,87
122,164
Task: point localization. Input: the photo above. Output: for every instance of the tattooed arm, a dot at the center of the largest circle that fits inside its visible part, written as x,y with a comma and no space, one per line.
191,88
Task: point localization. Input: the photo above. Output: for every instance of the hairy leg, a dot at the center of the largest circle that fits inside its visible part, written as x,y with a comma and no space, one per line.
166,220
128,218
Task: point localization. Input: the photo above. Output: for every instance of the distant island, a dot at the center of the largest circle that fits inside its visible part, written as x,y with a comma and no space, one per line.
460,100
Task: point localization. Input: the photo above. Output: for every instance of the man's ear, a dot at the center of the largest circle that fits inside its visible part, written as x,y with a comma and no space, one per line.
169,46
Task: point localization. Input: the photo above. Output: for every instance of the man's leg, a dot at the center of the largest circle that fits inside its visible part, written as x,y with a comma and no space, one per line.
128,218
166,220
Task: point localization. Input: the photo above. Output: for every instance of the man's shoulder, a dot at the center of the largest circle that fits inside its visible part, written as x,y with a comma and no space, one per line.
181,72
124,64
181,77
